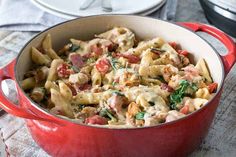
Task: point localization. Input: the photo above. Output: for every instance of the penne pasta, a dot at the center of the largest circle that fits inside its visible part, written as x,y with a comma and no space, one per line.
39,58
47,42
96,77
49,85
28,83
62,103
65,90
87,98
202,67
37,94
52,74
156,42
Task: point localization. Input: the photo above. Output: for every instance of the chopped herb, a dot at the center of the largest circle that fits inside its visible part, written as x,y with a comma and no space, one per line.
75,69
115,64
191,87
91,60
107,113
114,83
140,115
151,103
81,106
73,47
118,93
157,50
161,79
177,96
162,121
194,87
103,113
109,54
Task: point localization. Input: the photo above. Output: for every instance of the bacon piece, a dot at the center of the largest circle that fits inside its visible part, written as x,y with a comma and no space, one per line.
131,58
116,102
96,48
96,119
166,87
76,60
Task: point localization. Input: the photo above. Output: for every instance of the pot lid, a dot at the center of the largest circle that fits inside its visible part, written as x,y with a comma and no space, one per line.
229,5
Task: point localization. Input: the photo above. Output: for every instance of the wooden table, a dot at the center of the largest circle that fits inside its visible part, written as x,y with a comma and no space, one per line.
221,140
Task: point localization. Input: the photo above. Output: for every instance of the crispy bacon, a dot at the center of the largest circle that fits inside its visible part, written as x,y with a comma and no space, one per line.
96,119
166,87
76,60
96,48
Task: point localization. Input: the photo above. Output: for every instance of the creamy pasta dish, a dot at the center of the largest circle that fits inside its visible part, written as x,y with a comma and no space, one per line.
117,80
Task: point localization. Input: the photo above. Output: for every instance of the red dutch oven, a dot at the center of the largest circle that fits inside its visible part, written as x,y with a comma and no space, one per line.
63,137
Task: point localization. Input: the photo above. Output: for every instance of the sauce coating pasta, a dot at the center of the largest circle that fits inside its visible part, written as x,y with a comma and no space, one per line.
116,81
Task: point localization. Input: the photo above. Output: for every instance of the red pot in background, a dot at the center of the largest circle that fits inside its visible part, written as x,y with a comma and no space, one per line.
63,137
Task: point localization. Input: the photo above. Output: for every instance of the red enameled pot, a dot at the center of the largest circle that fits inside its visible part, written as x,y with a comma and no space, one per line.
63,138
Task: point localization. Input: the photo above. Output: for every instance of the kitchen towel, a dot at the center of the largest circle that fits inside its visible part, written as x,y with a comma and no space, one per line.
22,15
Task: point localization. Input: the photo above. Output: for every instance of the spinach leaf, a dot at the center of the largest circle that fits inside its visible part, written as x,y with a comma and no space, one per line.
115,64
118,93
81,106
109,54
160,78
151,103
194,87
114,83
75,69
140,115
157,50
178,95
107,113
73,47
91,60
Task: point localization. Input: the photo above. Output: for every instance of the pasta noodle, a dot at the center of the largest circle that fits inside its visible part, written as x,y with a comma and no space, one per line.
28,83
201,66
65,91
61,103
39,58
96,77
52,75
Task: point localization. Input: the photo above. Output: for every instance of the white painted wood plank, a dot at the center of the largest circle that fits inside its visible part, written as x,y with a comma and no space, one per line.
10,125
16,40
3,34
21,144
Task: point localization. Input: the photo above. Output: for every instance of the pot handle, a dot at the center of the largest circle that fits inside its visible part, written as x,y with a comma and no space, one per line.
8,73
228,59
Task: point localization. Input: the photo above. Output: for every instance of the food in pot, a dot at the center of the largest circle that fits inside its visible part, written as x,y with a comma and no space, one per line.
116,80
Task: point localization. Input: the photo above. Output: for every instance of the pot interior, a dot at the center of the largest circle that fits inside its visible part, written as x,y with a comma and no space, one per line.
144,28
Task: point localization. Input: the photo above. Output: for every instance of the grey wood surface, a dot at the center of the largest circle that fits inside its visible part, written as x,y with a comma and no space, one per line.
221,140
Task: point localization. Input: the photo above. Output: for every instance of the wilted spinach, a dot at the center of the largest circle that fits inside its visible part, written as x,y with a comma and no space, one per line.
178,95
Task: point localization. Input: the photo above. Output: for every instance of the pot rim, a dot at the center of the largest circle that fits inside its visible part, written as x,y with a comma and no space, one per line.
43,110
